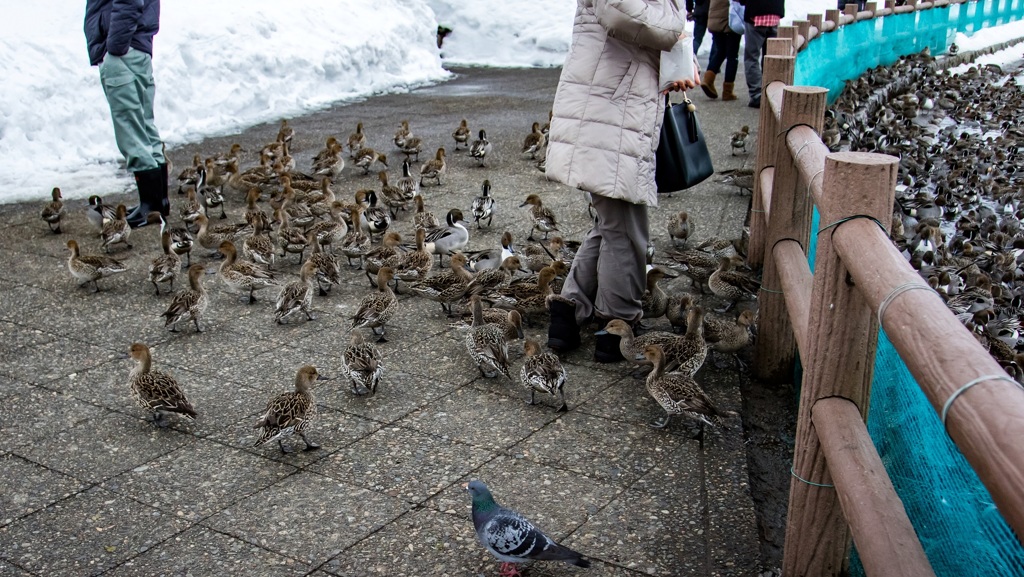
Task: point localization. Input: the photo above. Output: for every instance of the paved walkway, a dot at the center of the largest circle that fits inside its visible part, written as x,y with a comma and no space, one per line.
89,487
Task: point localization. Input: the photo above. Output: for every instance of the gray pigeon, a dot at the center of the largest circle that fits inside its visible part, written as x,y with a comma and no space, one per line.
511,537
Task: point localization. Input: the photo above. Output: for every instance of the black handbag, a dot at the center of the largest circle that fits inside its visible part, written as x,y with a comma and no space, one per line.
682,159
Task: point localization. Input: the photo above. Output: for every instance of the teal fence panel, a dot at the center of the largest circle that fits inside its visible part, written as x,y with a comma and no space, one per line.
960,528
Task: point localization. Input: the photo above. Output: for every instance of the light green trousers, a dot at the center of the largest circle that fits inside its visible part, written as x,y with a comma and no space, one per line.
128,84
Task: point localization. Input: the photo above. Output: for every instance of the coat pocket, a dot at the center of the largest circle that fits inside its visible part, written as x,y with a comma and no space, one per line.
117,81
627,81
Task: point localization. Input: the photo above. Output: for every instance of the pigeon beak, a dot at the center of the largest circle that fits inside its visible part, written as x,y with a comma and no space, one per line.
465,486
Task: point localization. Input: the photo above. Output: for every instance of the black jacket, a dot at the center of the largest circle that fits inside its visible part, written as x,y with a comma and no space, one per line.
761,7
114,26
699,8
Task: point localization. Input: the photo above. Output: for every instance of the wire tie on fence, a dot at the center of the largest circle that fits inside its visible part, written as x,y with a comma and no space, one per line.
810,182
853,217
758,211
801,149
969,384
897,292
771,291
811,483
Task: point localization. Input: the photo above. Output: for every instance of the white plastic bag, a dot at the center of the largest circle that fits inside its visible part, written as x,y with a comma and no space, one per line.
736,11
678,63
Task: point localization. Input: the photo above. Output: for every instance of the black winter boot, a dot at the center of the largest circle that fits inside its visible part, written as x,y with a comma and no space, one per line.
606,346
152,196
563,332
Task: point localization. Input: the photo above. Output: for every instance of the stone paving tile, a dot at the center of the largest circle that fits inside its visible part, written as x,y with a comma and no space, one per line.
332,430
201,551
556,500
582,384
60,357
479,418
308,517
403,463
86,534
422,542
627,400
8,570
15,336
104,447
273,372
24,268
22,303
33,413
29,487
398,394
657,527
443,356
617,452
183,483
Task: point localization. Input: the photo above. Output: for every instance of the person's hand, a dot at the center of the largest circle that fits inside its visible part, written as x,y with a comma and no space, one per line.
689,16
677,85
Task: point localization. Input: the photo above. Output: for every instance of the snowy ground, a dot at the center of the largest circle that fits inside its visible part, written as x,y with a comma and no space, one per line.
224,65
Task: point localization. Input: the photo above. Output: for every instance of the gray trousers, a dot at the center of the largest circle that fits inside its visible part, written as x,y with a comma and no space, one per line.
608,275
128,84
755,40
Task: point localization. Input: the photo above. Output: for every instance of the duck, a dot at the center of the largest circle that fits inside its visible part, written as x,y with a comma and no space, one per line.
154,391
211,237
285,133
259,247
486,344
258,176
535,256
679,228
543,218
190,208
188,176
480,148
366,157
53,211
446,287
291,239
394,197
424,219
528,299
494,278
243,276
297,296
181,238
98,214
290,413
91,268
328,270
675,311
632,346
412,146
738,141
329,160
414,265
493,257
384,255
222,158
188,304
165,267
448,239
408,184
729,335
373,219
402,134
363,364
356,140
679,394
461,134
376,309
533,142
483,206
252,211
356,243
210,196
117,230
654,301
561,249
333,231
730,284
434,168
543,372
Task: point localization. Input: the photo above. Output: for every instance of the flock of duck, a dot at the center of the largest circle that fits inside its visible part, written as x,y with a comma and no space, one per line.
958,210
501,287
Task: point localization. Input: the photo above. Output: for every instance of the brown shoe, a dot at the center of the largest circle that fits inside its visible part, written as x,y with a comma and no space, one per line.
707,84
727,93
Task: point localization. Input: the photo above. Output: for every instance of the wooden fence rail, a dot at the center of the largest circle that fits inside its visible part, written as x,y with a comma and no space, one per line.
839,487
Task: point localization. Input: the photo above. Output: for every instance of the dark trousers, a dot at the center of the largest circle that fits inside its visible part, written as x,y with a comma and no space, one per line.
725,47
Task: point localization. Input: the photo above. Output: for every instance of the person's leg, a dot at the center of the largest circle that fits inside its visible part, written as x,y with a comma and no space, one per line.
753,41
621,266
581,284
125,92
700,26
707,83
732,51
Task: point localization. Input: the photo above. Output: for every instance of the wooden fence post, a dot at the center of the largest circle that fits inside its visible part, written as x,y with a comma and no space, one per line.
791,210
833,15
844,333
779,66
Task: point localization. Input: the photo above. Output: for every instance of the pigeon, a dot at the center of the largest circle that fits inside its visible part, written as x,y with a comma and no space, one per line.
511,537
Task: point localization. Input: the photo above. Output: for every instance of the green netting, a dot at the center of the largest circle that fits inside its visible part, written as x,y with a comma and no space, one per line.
833,58
956,521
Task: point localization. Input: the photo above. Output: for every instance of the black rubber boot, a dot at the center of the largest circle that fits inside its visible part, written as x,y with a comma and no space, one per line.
152,196
563,332
606,346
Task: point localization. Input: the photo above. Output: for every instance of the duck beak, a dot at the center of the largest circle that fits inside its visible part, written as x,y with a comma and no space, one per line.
323,378
522,205
519,331
601,332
